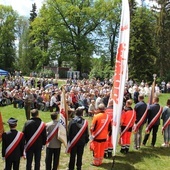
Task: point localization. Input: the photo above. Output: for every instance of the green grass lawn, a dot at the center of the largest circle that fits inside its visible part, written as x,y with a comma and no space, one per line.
147,158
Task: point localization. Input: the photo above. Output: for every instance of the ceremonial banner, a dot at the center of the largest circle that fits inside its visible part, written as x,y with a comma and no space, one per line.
62,131
121,67
152,93
1,127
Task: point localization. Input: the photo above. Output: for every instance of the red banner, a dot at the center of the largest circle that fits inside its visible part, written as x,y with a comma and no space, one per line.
1,127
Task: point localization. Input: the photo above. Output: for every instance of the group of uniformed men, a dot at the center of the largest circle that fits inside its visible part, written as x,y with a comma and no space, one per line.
36,134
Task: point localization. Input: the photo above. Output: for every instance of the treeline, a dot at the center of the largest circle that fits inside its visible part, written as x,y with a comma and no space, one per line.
71,33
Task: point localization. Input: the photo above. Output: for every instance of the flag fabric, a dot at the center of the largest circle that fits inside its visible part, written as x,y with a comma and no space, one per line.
62,129
152,93
1,127
121,66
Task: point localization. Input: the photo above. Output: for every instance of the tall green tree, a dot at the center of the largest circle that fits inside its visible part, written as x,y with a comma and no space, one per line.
32,45
72,26
101,68
107,34
162,13
142,53
8,19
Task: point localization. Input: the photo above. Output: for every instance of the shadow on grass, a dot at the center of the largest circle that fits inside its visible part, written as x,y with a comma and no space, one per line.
128,161
117,166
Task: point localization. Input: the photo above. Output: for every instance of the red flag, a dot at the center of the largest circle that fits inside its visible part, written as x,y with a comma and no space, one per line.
1,127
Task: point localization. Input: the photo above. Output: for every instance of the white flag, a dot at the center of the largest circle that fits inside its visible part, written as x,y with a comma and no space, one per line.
121,66
62,130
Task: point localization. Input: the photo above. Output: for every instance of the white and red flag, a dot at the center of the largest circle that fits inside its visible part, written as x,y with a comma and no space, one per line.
62,129
121,66
1,127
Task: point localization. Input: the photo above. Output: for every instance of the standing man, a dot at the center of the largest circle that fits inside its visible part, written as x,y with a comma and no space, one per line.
153,121
101,126
141,114
78,137
12,146
128,118
136,94
53,145
166,124
35,137
109,146
28,101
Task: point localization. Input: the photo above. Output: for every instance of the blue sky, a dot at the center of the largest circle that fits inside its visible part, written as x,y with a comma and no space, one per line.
23,7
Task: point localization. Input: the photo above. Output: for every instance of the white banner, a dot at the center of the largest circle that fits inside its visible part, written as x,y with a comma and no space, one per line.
120,73
62,131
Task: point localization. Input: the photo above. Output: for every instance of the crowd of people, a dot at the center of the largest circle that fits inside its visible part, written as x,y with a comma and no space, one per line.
84,98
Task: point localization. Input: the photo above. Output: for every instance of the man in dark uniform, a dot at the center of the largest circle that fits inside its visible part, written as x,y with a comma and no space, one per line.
141,113
12,146
28,101
78,136
35,137
153,120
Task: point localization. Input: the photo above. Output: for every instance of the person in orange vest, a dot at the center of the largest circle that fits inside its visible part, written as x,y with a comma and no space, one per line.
101,125
127,121
109,146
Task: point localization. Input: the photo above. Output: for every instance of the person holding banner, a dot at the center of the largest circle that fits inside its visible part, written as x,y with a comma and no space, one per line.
141,114
100,128
12,146
53,145
153,121
166,124
128,118
78,137
35,138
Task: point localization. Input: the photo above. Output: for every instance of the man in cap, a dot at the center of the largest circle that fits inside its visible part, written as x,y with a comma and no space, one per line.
12,146
101,126
53,144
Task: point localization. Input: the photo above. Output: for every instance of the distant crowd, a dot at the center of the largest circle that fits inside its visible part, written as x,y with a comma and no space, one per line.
87,93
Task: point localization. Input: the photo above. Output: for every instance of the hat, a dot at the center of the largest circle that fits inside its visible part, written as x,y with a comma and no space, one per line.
12,121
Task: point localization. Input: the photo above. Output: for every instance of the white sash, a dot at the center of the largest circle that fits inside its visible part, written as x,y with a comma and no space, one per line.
77,137
50,136
127,127
147,130
93,136
35,136
12,146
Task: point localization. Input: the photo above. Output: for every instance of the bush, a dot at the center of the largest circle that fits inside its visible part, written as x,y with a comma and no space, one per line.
47,73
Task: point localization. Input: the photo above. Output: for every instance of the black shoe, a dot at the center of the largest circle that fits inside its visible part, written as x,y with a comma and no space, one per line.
126,150
122,150
109,154
105,155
